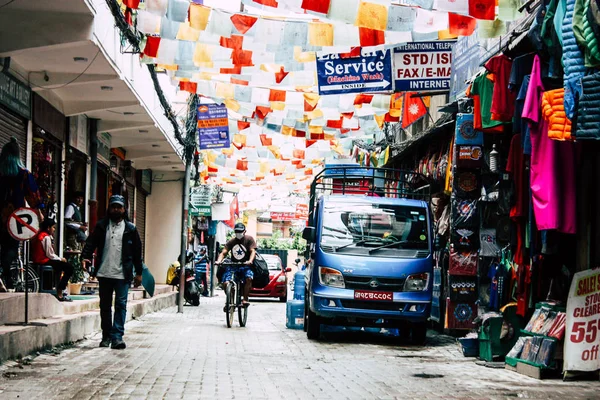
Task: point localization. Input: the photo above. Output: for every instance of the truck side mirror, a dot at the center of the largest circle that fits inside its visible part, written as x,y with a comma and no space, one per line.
309,234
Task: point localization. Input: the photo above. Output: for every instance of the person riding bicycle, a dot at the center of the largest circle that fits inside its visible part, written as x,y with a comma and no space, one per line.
243,250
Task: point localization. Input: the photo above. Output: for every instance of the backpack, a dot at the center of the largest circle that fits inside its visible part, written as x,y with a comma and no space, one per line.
261,272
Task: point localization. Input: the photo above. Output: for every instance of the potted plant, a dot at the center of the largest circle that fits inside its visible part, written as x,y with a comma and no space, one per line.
77,278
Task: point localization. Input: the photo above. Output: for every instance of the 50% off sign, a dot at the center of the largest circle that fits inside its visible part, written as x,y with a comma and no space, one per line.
23,224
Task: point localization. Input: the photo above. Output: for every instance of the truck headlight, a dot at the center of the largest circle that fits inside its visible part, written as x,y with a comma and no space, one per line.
331,277
416,282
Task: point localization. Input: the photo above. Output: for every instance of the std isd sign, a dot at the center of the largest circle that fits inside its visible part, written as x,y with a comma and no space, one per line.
342,73
423,66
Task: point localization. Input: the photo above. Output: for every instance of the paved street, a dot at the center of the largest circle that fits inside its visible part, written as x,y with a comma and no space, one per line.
194,355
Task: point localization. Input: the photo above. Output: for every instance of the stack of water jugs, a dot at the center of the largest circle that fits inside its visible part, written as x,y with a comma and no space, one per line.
294,311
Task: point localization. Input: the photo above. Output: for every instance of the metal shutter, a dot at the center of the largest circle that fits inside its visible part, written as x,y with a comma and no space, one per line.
129,198
13,125
140,217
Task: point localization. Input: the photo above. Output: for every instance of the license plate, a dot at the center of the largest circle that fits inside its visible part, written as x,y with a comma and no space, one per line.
375,296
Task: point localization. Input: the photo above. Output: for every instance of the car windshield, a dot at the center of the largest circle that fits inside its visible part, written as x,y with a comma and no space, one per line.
273,263
382,230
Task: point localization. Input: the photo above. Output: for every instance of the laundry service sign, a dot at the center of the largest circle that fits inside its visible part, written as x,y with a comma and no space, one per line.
371,71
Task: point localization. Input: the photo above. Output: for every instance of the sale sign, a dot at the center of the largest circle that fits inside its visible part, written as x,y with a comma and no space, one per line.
582,339
423,66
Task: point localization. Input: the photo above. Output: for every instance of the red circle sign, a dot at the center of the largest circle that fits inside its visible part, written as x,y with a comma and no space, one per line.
23,224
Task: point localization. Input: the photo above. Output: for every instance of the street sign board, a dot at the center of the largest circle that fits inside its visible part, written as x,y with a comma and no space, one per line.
23,224
467,54
371,71
420,66
283,216
302,211
213,126
200,201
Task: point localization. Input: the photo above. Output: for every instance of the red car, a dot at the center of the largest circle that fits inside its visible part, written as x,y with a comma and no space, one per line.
278,280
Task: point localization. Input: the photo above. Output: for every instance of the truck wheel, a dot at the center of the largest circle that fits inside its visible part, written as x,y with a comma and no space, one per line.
313,326
419,332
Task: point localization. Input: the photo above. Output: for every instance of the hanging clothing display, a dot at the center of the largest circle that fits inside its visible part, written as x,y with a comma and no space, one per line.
553,193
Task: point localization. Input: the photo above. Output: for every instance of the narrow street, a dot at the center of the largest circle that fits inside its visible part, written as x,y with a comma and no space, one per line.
194,356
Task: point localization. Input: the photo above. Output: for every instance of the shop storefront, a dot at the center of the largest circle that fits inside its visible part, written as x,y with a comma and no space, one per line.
15,111
143,190
49,130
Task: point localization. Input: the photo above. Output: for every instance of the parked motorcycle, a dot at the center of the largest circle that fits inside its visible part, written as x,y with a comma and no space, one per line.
192,289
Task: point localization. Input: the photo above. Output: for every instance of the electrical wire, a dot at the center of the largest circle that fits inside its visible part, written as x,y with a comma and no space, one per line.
63,85
4,5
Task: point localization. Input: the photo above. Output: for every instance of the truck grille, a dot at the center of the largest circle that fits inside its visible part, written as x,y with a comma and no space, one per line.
372,305
364,283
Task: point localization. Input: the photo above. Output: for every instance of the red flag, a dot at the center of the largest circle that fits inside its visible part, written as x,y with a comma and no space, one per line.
152,43
132,3
243,23
320,6
371,37
461,25
482,9
414,109
191,87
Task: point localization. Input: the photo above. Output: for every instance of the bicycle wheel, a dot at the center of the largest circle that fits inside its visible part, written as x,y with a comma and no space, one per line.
18,278
229,303
242,311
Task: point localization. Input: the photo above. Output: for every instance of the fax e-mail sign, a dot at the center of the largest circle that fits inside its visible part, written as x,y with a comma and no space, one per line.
369,72
423,66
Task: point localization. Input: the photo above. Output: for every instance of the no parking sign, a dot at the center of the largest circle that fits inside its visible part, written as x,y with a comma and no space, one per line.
23,224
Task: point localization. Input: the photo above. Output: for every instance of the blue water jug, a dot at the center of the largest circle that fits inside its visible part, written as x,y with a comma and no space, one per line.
299,285
294,314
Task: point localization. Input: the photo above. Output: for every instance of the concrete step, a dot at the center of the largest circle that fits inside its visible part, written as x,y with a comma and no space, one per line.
19,341
44,305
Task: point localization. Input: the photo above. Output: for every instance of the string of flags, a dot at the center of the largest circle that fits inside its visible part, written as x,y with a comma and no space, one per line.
262,64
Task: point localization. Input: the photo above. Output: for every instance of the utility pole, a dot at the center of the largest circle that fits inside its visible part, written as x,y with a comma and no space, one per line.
188,153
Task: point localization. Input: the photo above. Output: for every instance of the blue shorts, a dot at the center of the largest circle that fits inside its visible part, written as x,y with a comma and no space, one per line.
241,273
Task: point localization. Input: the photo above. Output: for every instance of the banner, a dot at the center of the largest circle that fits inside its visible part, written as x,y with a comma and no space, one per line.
583,322
213,126
467,54
423,66
283,216
369,72
302,211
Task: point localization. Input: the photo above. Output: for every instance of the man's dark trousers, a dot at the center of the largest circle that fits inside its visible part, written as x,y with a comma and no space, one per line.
113,330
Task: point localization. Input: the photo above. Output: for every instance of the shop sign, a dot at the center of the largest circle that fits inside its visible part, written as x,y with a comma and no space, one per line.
302,211
104,144
467,54
78,133
144,179
369,72
15,95
423,66
283,216
582,342
200,201
213,127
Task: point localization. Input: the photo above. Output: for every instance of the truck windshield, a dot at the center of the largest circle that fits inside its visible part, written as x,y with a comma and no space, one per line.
382,230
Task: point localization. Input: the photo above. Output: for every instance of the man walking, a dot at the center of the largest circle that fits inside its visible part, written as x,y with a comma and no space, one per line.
119,254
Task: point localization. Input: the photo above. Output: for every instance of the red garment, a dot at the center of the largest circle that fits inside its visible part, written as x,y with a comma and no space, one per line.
523,289
38,255
503,101
516,167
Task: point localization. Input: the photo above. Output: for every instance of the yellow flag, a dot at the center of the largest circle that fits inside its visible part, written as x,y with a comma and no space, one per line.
372,16
320,34
188,33
203,53
199,16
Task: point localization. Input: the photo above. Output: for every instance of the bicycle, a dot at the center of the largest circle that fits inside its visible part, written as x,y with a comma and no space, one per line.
17,274
233,298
